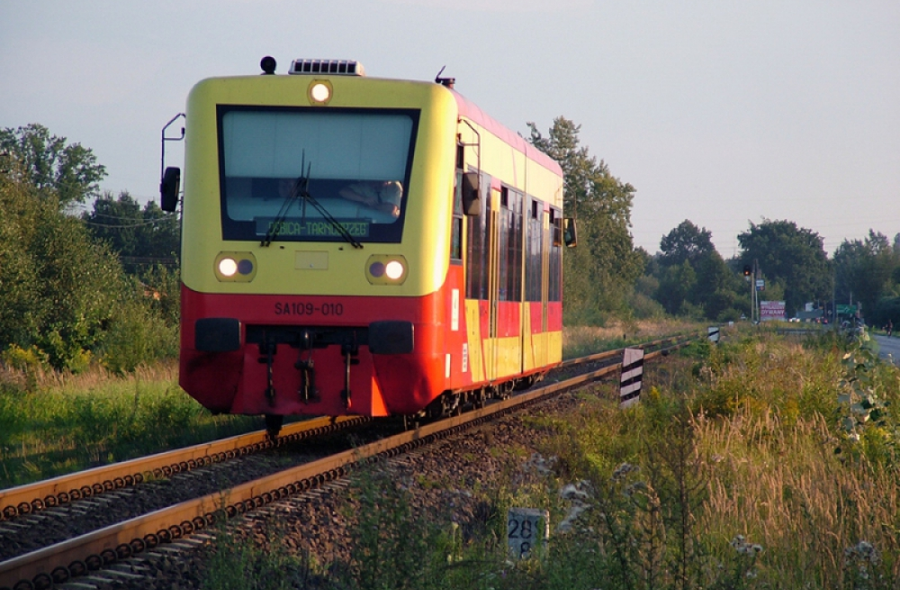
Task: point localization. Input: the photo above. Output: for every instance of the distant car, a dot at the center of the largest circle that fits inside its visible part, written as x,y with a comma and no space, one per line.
794,320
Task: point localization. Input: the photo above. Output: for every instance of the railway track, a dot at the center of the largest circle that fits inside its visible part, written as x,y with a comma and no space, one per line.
62,490
86,552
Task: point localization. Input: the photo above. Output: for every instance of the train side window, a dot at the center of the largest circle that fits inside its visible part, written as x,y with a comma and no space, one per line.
456,222
512,251
556,246
477,246
534,253
503,234
456,240
556,226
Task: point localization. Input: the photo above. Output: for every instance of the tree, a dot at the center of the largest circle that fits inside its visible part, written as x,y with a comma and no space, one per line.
600,273
685,242
57,287
864,269
717,288
791,255
693,277
67,172
149,234
19,281
675,285
63,296
116,222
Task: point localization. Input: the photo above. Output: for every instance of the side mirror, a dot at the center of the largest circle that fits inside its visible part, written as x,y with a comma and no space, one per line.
471,198
169,187
570,233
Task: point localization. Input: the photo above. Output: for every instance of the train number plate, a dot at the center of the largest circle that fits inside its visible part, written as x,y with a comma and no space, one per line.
300,308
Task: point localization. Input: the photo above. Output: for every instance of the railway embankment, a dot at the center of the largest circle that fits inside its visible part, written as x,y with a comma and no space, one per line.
749,464
763,461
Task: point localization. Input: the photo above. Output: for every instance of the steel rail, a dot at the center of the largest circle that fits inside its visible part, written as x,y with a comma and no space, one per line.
600,356
36,496
55,564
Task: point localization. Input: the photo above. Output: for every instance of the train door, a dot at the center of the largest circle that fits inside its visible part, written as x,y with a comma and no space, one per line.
541,355
511,317
481,284
537,241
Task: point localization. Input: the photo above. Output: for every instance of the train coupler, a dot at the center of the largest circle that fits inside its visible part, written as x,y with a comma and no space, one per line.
350,352
269,349
307,392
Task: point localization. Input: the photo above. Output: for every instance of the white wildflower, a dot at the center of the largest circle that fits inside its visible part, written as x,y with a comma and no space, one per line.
580,491
567,524
741,545
543,466
863,552
623,470
634,487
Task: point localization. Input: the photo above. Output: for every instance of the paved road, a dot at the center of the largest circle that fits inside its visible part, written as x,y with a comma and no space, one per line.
888,346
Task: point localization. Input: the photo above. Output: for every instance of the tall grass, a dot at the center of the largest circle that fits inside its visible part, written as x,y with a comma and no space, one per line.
68,422
584,340
736,471
746,471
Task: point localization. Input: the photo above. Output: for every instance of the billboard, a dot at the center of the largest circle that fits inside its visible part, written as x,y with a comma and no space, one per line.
771,310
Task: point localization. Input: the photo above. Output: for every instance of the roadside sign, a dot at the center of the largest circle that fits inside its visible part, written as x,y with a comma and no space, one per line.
771,310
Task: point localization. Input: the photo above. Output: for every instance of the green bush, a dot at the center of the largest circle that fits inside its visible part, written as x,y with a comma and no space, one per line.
137,336
60,287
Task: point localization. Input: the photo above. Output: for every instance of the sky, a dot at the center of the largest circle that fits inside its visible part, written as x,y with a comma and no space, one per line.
720,112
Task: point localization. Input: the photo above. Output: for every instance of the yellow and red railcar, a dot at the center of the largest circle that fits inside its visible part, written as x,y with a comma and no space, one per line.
354,245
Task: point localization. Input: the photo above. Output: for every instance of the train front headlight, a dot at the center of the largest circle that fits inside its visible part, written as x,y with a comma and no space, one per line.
238,267
386,269
394,270
228,267
320,91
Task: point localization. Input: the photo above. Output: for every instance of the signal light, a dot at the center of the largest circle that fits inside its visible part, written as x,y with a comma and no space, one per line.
747,270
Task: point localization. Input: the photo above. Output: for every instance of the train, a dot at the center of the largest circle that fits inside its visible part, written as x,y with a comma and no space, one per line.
354,245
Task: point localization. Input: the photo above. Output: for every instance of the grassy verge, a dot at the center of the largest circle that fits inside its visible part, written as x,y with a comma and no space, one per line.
762,462
66,423
584,340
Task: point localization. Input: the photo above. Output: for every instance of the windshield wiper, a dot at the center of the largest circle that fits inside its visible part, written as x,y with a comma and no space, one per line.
345,233
301,189
276,224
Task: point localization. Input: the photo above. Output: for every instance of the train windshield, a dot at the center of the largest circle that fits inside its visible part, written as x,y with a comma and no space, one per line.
315,174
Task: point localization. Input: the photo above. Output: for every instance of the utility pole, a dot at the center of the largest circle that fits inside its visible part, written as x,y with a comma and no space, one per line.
750,273
755,291
748,276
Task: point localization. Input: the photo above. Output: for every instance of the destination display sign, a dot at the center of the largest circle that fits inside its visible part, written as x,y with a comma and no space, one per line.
311,228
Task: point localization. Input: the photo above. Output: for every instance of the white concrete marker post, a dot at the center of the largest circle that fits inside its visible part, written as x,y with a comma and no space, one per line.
527,532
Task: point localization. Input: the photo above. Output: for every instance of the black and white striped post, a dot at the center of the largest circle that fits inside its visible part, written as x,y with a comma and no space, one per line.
632,373
713,334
